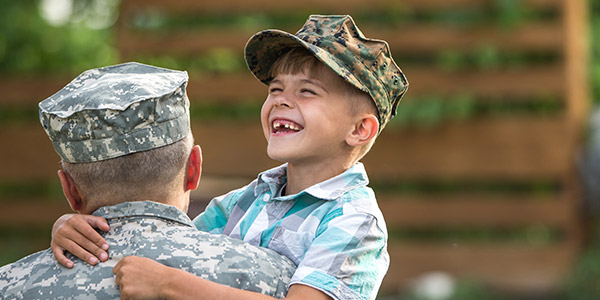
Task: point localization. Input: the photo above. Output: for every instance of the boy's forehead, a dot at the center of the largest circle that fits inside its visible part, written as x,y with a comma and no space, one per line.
320,75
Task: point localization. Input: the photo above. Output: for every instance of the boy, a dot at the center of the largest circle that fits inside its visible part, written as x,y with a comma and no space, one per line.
331,91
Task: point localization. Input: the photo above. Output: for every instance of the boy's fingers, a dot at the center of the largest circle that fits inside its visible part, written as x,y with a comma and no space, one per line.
73,241
91,240
98,222
80,252
59,255
89,246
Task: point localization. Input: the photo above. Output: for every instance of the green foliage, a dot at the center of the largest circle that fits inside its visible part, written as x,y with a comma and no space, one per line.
433,109
34,190
531,235
207,110
584,282
20,241
28,44
215,60
487,57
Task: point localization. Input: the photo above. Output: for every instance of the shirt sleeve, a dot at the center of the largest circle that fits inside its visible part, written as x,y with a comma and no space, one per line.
214,217
347,259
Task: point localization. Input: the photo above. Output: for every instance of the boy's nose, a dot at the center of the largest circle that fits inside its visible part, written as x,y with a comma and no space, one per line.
283,100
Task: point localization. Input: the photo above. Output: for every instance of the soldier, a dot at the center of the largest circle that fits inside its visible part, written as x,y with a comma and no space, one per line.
128,155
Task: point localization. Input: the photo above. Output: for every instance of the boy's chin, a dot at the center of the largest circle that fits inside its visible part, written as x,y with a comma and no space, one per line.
277,154
276,157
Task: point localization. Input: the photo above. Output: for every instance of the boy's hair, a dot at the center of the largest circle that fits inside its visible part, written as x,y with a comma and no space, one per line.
154,172
299,60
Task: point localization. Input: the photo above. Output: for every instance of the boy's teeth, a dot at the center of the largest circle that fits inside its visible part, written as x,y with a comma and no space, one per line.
278,125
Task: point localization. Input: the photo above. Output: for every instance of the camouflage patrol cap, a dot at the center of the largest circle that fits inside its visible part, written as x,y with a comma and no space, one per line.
117,110
337,42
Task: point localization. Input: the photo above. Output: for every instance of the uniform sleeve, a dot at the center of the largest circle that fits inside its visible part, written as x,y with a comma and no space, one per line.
214,218
347,259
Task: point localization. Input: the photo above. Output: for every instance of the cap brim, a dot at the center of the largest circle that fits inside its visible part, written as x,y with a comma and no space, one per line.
265,47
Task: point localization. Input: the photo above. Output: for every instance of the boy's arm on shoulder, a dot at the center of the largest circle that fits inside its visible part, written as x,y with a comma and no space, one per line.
204,289
140,277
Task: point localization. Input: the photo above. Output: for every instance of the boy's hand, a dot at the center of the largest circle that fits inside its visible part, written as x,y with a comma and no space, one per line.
75,233
140,277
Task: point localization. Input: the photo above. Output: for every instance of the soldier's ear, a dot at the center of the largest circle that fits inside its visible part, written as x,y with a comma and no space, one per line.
193,169
71,191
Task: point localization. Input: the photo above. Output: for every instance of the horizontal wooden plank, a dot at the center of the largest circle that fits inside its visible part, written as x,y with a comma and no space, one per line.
515,148
41,213
529,82
482,210
335,6
408,39
18,212
30,90
518,268
424,80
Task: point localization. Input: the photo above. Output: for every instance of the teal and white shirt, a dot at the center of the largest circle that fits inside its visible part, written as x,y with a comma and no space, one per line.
333,231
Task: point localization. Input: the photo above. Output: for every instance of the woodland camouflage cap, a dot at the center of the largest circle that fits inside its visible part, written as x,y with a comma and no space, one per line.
117,110
336,41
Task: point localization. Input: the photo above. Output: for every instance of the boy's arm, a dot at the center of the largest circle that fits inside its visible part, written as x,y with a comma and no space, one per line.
75,233
144,278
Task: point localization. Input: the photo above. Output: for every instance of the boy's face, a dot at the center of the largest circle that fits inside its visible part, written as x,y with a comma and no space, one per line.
306,119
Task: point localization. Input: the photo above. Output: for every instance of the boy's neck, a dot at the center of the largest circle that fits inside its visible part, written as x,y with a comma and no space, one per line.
302,176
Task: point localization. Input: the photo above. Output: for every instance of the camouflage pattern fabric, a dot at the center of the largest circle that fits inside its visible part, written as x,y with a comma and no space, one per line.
117,110
154,230
336,41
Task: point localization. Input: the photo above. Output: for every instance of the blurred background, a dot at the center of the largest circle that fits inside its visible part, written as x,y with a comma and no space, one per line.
488,177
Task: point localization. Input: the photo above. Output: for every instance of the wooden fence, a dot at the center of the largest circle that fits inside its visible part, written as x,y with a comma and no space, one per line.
491,195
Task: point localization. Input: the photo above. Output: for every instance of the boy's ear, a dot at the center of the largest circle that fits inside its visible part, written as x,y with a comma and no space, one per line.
364,130
71,191
193,169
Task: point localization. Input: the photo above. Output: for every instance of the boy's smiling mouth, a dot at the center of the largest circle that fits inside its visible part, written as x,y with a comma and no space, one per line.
285,126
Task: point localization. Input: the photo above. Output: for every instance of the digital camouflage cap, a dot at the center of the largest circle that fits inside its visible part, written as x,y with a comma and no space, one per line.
337,42
117,110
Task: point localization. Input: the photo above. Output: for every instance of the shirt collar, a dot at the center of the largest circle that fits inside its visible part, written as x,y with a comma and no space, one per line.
330,189
144,209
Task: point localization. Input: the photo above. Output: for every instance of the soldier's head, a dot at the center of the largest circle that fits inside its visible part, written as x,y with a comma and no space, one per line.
123,134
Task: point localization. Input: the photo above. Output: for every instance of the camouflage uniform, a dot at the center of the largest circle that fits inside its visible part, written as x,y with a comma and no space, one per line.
115,111
158,231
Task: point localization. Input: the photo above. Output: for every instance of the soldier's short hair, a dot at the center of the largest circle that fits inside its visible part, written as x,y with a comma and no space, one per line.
153,173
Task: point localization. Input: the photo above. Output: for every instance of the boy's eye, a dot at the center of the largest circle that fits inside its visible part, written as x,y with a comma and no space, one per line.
274,90
308,91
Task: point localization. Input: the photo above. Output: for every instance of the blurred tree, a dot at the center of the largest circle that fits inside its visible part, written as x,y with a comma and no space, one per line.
50,36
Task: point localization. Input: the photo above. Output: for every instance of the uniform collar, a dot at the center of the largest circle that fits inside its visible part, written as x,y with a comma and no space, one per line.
330,189
144,209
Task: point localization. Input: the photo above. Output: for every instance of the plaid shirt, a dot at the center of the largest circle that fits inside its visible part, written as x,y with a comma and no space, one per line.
333,231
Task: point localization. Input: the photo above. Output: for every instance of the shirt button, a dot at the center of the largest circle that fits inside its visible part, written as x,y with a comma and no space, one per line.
266,198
